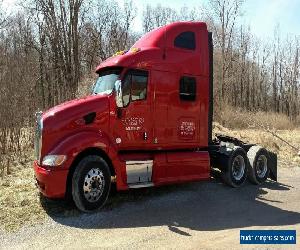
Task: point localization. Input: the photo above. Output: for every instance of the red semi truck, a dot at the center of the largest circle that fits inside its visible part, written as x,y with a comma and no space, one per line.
147,122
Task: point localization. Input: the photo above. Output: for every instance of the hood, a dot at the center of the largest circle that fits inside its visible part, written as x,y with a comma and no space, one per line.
90,113
70,114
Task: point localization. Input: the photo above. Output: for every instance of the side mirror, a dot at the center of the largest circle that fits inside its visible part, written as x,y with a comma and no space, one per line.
119,95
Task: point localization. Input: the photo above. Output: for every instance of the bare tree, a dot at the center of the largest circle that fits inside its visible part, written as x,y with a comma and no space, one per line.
223,15
58,26
157,16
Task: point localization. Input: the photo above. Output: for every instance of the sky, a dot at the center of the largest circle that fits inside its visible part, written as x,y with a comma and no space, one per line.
262,15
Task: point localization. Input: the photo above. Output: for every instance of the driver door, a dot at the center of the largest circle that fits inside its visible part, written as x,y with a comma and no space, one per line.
134,127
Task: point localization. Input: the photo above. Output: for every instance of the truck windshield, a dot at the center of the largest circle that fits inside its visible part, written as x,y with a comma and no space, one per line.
106,81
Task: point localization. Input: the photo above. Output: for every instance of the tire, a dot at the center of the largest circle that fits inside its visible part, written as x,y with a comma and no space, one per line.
258,164
91,183
235,167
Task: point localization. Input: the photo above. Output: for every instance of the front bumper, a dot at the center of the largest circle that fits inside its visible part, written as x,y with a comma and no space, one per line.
51,183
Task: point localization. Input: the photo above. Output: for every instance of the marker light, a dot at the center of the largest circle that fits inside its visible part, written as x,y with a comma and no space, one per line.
135,50
119,53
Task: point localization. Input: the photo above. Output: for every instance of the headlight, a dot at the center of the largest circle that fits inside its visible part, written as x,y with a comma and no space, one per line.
53,160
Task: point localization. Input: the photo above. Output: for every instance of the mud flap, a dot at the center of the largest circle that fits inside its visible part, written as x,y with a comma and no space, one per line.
272,166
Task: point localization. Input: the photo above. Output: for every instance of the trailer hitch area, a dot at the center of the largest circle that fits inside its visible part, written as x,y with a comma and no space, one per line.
229,139
272,166
226,147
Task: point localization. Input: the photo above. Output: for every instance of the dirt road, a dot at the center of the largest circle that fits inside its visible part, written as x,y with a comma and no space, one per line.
191,216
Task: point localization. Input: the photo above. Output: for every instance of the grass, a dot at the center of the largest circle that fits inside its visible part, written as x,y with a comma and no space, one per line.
19,201
21,204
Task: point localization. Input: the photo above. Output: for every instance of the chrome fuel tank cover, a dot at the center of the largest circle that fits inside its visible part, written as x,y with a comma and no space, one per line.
139,172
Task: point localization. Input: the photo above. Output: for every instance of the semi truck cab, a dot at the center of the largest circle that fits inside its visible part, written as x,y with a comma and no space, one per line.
147,122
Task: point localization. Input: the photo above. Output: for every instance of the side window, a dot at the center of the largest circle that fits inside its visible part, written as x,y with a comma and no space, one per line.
139,86
185,40
135,86
187,88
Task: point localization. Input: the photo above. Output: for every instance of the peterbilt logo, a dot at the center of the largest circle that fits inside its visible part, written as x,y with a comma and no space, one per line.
133,123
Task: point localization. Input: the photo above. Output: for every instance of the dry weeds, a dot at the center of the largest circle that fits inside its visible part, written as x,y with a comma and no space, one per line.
236,118
286,154
20,202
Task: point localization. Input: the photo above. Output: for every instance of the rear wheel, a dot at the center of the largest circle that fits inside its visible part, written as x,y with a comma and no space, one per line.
91,183
258,164
235,167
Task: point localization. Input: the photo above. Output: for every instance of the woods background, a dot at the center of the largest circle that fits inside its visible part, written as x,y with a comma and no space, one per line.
49,49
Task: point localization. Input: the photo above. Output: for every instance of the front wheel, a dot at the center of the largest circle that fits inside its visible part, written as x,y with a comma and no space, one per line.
235,168
91,183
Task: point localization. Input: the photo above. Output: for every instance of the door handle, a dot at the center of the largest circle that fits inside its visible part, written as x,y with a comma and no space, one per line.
145,136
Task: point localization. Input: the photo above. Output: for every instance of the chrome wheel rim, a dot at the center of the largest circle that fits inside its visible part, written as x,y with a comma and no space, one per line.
238,167
93,185
261,166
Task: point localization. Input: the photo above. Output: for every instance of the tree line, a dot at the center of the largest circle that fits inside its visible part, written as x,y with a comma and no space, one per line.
48,48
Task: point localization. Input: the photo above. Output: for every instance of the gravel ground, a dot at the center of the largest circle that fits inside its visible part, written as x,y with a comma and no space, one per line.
190,216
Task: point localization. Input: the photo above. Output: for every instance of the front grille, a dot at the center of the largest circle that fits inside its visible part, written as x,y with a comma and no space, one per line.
38,136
